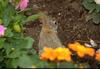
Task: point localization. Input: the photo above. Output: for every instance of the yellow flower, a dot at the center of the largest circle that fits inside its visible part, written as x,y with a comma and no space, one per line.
48,53
63,54
97,56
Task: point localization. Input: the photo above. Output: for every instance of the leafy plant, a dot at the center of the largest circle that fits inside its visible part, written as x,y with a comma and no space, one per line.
94,10
14,46
16,49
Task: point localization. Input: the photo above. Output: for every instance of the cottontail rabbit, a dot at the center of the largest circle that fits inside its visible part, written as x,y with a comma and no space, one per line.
48,35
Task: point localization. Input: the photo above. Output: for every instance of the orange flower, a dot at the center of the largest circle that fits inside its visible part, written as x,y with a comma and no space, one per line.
63,54
97,56
78,48
81,50
56,54
90,51
48,53
80,54
73,46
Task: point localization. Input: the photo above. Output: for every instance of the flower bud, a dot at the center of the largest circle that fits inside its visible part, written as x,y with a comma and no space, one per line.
17,28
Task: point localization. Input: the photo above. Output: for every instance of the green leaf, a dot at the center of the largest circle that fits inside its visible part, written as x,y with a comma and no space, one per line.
96,18
32,17
48,65
42,64
98,8
8,33
18,35
12,51
2,40
89,6
7,15
25,61
19,18
67,65
89,1
1,55
6,20
25,43
15,54
4,3
85,65
12,63
1,58
7,47
29,42
22,43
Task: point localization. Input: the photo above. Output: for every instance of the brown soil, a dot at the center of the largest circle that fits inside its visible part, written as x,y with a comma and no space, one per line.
71,19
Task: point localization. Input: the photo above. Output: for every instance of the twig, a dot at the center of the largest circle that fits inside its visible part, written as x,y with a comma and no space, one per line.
88,41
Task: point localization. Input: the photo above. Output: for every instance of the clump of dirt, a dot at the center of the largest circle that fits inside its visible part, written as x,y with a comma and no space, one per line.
71,19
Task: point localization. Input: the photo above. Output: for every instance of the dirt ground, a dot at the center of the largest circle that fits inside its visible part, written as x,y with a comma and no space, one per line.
71,19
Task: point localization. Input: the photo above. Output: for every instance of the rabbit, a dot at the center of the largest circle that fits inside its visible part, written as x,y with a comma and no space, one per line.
48,35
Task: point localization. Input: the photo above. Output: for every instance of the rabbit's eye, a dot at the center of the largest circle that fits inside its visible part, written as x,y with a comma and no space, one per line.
54,22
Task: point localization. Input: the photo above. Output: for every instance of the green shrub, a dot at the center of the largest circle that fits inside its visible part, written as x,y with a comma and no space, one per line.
94,10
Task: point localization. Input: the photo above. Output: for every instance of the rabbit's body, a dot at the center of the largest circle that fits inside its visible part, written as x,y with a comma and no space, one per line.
48,35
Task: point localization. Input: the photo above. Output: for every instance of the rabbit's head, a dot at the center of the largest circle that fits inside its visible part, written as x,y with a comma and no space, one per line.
49,23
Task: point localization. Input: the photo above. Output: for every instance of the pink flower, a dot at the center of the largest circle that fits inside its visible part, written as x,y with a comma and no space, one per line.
2,30
22,4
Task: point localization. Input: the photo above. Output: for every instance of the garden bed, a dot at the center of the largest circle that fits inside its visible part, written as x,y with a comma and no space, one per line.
49,34
71,19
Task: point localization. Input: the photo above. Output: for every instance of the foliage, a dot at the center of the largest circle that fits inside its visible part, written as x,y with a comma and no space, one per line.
16,49
94,10
14,45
